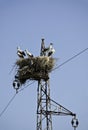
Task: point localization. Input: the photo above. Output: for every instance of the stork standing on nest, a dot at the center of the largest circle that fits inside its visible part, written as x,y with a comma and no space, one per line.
28,54
20,52
49,50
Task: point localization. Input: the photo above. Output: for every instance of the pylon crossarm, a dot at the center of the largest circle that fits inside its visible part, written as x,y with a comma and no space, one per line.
59,109
56,113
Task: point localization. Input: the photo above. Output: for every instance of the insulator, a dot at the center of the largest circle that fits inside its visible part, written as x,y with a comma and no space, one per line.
74,122
16,84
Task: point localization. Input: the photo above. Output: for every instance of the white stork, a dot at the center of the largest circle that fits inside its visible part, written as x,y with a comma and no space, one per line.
51,50
20,52
28,54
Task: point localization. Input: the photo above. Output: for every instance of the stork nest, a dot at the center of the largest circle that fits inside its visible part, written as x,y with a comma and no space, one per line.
34,68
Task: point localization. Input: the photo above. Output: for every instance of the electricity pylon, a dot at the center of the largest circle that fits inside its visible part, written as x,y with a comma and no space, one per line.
44,120
46,107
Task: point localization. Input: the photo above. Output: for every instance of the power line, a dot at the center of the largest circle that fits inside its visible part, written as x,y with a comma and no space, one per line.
8,104
70,59
26,86
13,98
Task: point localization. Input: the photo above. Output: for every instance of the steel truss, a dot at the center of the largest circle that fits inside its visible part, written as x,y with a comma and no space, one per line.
44,120
46,107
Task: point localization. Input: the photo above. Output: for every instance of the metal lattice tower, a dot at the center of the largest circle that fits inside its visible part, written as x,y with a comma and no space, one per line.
44,119
46,107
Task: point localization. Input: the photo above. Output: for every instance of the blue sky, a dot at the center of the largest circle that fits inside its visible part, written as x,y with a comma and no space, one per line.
65,24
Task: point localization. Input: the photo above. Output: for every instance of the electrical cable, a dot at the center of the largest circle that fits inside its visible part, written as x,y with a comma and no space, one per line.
8,104
13,99
26,86
70,59
12,68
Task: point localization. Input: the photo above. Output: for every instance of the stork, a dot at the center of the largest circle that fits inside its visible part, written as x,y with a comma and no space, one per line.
28,54
51,50
20,52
